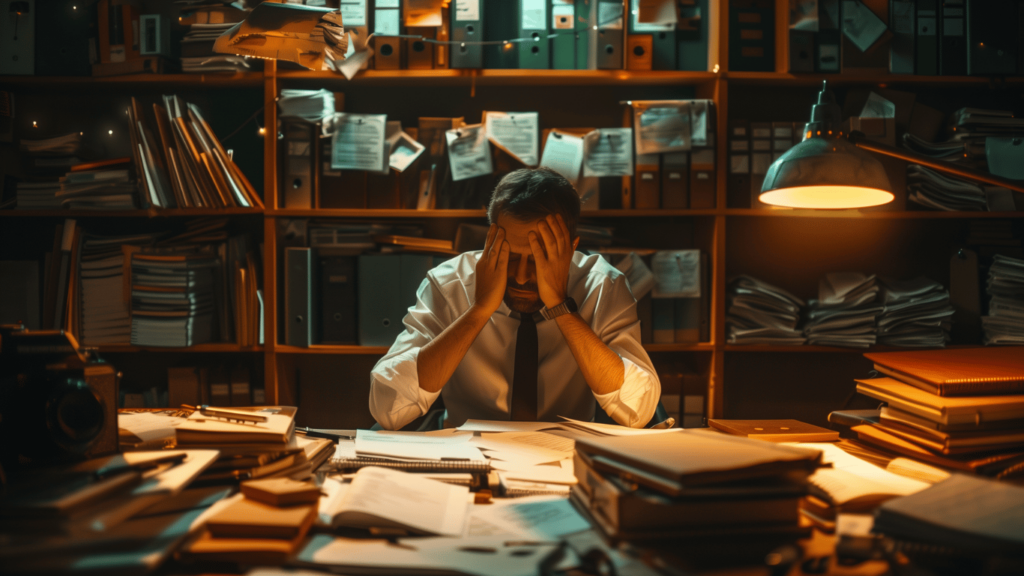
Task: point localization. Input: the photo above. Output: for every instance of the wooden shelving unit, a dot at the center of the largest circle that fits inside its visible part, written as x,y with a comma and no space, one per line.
732,237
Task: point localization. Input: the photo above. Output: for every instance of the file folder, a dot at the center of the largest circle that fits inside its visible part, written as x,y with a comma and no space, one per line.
420,54
702,178
467,26
298,179
801,51
387,285
738,180
563,26
387,25
639,48
829,37
663,38
952,46
901,24
501,23
692,35
609,36
298,311
337,300
533,16
926,45
648,182
675,181
586,19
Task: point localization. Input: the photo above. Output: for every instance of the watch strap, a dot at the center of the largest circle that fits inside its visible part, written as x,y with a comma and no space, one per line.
568,306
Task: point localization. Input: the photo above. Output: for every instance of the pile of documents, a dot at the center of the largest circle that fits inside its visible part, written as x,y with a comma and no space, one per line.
38,195
120,514
692,484
1005,321
109,188
58,178
917,313
844,313
930,188
206,23
105,309
250,450
173,302
760,313
960,409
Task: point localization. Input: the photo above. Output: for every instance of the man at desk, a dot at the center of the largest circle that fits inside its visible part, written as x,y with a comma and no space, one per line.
525,329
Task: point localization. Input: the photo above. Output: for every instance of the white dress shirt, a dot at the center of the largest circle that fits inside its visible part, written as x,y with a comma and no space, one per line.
481,386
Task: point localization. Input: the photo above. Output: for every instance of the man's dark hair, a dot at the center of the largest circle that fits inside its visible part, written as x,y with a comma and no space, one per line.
532,193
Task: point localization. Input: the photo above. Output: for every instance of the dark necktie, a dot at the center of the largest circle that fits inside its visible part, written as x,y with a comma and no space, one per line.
524,376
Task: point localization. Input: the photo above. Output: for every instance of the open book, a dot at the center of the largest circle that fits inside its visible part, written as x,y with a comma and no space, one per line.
386,498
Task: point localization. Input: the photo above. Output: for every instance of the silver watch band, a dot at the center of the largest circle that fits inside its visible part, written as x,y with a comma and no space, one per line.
566,307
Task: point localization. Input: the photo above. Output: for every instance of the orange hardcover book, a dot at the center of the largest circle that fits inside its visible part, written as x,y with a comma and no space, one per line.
957,372
775,430
252,519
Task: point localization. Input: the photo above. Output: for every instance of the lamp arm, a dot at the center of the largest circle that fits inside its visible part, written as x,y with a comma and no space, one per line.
858,140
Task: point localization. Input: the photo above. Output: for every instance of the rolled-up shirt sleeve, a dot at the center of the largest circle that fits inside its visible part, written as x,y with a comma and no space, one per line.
395,394
616,324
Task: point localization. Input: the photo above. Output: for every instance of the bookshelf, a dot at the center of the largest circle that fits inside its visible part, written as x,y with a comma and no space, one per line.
790,248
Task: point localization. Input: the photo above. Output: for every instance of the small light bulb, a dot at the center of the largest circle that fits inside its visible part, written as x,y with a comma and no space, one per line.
715,69
595,27
81,133
110,132
629,102
262,131
34,125
74,7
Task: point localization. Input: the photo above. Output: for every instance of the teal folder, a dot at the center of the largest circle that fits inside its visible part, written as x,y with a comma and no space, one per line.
533,18
663,46
563,34
692,36
467,25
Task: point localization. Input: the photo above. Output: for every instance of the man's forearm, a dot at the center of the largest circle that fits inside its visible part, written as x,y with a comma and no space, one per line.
439,358
601,367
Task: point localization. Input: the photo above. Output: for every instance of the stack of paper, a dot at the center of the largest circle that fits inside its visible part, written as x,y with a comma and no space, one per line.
173,300
104,305
40,195
917,313
197,53
1005,321
935,190
760,313
309,105
844,313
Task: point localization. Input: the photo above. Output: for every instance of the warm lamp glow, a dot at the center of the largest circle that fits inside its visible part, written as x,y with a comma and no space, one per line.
827,197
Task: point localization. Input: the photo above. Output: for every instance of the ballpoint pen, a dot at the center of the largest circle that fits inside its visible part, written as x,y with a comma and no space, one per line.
667,423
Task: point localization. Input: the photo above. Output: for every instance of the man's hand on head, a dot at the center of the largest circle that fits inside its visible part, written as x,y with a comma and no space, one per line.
492,271
552,248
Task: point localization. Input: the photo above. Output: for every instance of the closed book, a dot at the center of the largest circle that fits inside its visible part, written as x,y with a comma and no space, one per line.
958,443
952,38
692,458
958,371
247,518
896,414
205,547
467,30
281,491
1005,463
926,38
775,430
202,430
943,410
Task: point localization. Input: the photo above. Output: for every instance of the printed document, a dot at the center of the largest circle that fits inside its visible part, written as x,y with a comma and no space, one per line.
676,273
661,126
563,153
410,446
358,142
514,132
608,152
469,154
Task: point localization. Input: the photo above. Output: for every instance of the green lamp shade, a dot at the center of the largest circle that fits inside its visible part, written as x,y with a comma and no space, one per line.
826,173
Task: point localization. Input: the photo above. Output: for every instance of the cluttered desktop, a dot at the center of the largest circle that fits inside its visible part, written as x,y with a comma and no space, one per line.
927,484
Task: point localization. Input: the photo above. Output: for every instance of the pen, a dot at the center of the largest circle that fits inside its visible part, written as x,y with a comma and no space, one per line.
321,434
228,414
668,423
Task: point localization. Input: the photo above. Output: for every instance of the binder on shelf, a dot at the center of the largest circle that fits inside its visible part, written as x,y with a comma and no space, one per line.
801,51
532,18
738,180
443,33
926,38
240,387
827,56
675,181
387,285
118,30
901,24
648,182
993,36
702,178
586,19
760,159
467,25
563,26
338,300
387,53
752,35
298,177
387,26
686,320
420,54
663,38
663,319
298,299
693,35
610,33
639,49
953,36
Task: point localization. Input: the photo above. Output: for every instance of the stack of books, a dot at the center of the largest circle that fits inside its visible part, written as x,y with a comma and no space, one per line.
1005,321
105,185
105,303
173,302
960,409
917,313
691,483
760,313
844,313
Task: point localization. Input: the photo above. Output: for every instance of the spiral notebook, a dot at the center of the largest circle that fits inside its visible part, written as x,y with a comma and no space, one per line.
958,371
346,459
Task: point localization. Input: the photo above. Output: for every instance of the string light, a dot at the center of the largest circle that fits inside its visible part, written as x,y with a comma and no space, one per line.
34,125
110,132
262,131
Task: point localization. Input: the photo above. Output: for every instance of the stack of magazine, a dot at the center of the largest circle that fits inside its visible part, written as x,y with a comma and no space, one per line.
760,313
844,313
173,298
1005,321
917,313
105,301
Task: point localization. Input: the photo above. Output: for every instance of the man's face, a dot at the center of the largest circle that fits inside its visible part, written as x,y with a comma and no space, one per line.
521,289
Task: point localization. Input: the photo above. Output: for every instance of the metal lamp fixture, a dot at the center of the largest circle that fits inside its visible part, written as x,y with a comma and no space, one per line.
833,170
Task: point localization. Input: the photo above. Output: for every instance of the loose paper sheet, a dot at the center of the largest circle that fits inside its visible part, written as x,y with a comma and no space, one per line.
640,27
426,13
676,273
563,153
608,152
516,133
358,142
533,12
404,152
661,126
385,444
469,154
386,22
544,519
466,10
353,13
506,426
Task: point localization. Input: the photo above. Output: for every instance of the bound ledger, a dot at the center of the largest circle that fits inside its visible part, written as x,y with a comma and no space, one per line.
957,372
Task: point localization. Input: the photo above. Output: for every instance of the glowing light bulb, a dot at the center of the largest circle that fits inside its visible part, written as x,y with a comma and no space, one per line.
110,132
34,125
262,131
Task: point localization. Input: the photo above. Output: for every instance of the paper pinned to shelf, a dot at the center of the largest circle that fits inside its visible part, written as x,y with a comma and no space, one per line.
425,13
563,153
661,126
359,142
639,276
608,152
469,153
516,133
404,151
676,273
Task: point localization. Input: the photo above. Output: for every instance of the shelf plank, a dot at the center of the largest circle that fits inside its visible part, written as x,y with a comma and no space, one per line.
495,77
408,213
829,349
223,80
332,349
217,347
698,347
783,78
901,215
155,213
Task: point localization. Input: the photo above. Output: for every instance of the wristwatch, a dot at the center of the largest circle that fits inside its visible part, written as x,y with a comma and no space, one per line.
568,306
